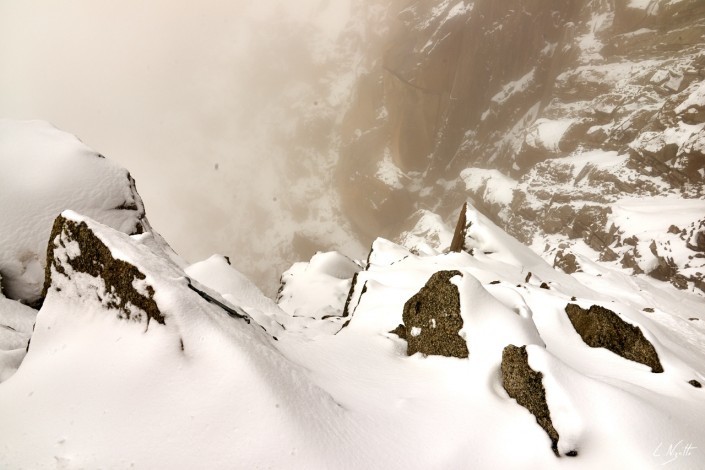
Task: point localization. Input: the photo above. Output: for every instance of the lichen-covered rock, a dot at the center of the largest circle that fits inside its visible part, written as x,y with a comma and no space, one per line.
75,250
602,328
525,385
432,318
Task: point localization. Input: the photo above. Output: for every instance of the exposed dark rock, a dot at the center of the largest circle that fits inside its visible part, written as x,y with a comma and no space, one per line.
589,224
696,236
544,286
432,318
557,218
400,331
608,255
458,243
695,383
648,309
95,259
566,262
602,328
346,311
427,106
629,260
525,385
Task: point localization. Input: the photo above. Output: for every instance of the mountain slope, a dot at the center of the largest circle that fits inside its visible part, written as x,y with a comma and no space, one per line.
551,117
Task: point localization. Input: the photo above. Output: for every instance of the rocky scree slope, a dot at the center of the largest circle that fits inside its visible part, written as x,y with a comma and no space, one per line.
551,116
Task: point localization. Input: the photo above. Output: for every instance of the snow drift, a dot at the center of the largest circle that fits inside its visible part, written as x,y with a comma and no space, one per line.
137,361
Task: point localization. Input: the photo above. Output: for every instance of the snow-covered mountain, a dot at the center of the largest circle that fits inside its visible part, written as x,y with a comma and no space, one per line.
558,119
459,349
538,299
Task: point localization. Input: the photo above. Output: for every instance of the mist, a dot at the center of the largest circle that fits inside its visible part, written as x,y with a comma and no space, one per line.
225,113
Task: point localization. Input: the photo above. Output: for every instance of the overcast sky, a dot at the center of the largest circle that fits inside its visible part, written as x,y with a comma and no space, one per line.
169,89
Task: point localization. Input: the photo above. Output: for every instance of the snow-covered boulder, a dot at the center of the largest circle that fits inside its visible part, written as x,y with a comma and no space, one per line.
130,365
45,171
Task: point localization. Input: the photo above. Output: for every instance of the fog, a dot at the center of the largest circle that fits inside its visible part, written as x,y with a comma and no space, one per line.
223,111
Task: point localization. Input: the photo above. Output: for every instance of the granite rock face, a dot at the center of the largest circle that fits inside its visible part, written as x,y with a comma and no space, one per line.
548,116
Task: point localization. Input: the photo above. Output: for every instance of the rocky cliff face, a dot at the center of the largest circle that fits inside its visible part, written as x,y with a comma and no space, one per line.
551,116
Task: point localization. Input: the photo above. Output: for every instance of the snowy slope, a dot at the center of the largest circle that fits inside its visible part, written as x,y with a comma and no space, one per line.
149,373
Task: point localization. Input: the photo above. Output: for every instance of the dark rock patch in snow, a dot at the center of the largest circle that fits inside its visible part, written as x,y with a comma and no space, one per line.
432,318
602,328
525,385
346,309
400,331
96,260
566,262
458,243
695,383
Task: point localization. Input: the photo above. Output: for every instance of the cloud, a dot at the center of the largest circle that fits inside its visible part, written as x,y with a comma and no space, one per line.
170,89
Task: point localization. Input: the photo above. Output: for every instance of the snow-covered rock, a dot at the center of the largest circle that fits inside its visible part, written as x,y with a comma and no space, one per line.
16,323
576,107
135,362
44,172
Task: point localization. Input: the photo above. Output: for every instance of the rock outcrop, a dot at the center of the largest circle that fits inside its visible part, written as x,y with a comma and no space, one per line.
74,250
432,320
602,328
47,171
547,116
525,385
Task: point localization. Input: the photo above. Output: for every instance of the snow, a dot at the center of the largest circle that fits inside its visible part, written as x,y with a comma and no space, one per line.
645,217
514,87
429,235
16,322
97,391
589,44
547,133
640,4
499,189
46,171
696,98
388,173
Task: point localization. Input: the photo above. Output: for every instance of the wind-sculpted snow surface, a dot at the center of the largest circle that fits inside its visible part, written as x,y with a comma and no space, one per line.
44,172
291,388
